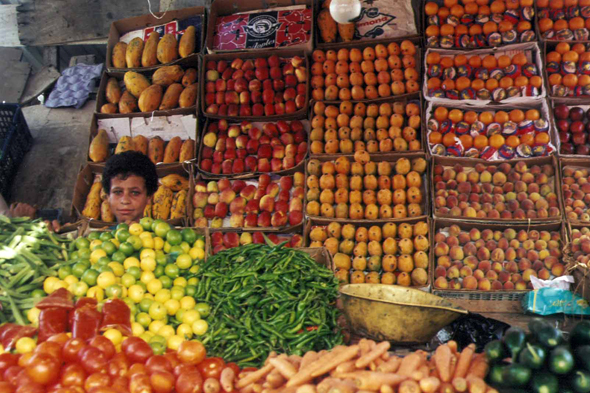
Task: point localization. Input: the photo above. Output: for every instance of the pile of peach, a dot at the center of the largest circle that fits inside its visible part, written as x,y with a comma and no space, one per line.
576,193
495,260
510,191
470,24
568,67
564,20
369,73
376,128
387,254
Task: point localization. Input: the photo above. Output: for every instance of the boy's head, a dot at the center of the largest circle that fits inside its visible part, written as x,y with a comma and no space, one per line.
130,180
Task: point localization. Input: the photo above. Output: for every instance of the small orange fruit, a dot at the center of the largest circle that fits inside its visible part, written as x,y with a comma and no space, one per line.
484,10
496,141
501,117
523,26
576,23
498,7
571,56
570,3
441,113
450,3
457,10
536,81
478,84
446,62
555,79
471,8
526,3
554,56
449,139
491,84
560,24
456,115
584,80
431,8
470,117
432,31
443,13
467,141
513,141
562,47
463,83
516,115
461,30
506,82
434,83
480,141
475,29
542,138
528,139
512,4
505,26
435,137
532,114
504,61
475,61
570,80
486,117
519,59
521,81
580,48
448,84
433,58
545,24
556,4
490,27
585,56
489,62
542,3
447,29
460,60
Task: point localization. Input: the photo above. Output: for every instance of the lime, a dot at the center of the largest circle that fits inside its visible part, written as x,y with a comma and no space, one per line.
158,348
177,293
159,271
119,256
128,280
84,253
38,293
130,303
108,247
103,261
144,304
79,289
155,224
166,282
184,261
64,271
143,319
146,223
113,291
93,235
126,248
135,272
82,242
189,235
79,268
122,225
135,241
161,229
161,258
162,295
122,235
204,309
104,236
90,276
157,310
75,255
171,271
176,249
185,247
174,237
105,268
190,290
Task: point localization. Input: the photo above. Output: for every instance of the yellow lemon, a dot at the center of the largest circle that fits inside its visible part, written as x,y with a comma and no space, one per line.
147,254
174,342
187,302
158,243
116,336
96,255
135,229
96,292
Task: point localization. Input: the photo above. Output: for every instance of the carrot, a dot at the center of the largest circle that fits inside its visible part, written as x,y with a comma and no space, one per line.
390,366
385,356
308,358
464,361
386,389
365,346
453,364
326,385
257,388
255,376
409,386
338,358
375,353
275,379
342,388
453,346
304,373
446,387
476,385
369,380
247,389
442,360
280,390
306,389
295,360
479,366
271,355
491,390
345,367
460,384
409,364
284,367
227,378
429,385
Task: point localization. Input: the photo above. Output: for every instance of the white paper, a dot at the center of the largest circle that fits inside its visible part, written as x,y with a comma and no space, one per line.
562,282
115,128
166,127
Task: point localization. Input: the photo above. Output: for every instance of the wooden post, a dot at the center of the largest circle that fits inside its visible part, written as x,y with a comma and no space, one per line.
51,56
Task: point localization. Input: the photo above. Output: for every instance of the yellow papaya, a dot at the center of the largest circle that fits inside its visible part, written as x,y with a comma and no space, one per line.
188,97
171,96
172,151
99,147
125,144
178,209
175,182
167,49
128,103
162,203
149,57
106,214
187,43
133,53
156,149
119,53
187,151
327,25
93,202
135,83
140,144
113,91
150,98
108,108
190,77
168,75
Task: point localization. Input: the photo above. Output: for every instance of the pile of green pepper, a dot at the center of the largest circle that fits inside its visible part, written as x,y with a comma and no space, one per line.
267,298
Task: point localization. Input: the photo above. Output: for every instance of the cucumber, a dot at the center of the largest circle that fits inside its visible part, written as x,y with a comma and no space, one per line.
545,383
561,361
533,356
514,339
548,336
496,375
495,351
516,375
580,334
580,381
583,357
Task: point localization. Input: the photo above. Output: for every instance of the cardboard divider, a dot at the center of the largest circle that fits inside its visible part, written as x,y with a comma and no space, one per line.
323,222
123,26
584,103
86,179
283,234
572,162
472,162
392,160
283,54
230,7
189,62
407,98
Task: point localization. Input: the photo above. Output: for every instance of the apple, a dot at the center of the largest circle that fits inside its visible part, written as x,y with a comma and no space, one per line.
253,206
218,156
264,151
268,96
287,139
295,217
251,163
262,73
220,97
216,168
210,87
289,162
254,133
226,167
288,69
209,99
249,75
221,209
258,110
561,112
241,153
238,166
250,221
244,97
269,110
290,81
564,136
220,85
290,107
279,219
237,75
297,61
263,164
255,85
577,127
576,113
276,164
206,164
212,75
227,74
260,62
563,125
211,65
264,219
237,63
274,61
289,94
278,85
275,73
248,65
256,96
279,108
301,74
300,101
245,110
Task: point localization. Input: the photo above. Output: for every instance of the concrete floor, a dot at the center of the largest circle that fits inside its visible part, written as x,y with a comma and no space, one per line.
47,175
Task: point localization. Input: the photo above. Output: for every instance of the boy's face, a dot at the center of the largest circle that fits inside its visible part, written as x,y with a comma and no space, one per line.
128,198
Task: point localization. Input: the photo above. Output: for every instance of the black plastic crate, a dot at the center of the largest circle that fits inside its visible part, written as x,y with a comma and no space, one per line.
16,140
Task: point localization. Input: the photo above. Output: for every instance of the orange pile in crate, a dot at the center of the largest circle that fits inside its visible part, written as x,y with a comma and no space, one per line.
564,20
568,67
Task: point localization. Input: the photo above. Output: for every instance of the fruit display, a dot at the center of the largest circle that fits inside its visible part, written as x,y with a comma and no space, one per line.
246,147
575,191
330,30
512,191
225,240
484,76
362,189
157,149
264,202
466,24
170,87
563,20
495,257
391,253
496,134
568,69
579,245
377,128
265,86
365,72
573,125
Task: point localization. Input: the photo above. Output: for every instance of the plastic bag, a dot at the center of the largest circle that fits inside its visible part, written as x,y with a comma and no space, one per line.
472,328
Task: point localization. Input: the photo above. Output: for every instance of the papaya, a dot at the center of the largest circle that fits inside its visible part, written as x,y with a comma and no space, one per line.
175,182
188,97
128,103
135,83
168,75
133,53
167,49
93,202
99,147
113,91
140,144
108,108
187,151
147,211
150,98
125,144
156,149
119,53
190,77
327,25
171,96
149,57
172,151
178,209
106,214
187,43
162,203
346,31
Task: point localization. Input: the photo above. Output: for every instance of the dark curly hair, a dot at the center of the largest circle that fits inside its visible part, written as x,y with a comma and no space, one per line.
130,163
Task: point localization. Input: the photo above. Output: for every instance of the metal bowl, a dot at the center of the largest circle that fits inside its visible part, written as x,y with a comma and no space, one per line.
395,313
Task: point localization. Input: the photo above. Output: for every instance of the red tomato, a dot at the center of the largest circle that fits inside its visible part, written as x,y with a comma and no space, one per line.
211,367
189,383
184,368
158,363
60,338
162,381
69,389
136,368
25,358
11,374
5,387
104,344
51,348
97,380
93,360
102,389
23,378
191,352
140,383
30,388
138,351
120,383
43,369
71,349
234,367
118,365
73,375
171,356
7,359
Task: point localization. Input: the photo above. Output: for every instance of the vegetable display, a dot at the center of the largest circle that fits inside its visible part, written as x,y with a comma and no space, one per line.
267,298
221,241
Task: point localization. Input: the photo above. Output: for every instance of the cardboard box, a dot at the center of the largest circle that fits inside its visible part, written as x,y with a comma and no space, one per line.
85,180
289,234
230,7
124,26
284,54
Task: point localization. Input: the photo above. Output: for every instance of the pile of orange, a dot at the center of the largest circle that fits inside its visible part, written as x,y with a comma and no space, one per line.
564,20
568,67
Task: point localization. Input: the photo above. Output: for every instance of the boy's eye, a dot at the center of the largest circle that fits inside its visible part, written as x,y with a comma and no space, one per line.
117,192
135,193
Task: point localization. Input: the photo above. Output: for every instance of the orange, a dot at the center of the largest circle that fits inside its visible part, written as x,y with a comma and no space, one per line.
470,117
584,80
482,2
478,84
560,24
571,3
523,26
460,60
433,58
447,29
582,3
562,47
555,79
434,83
516,115
489,62
491,84
431,8
556,4
471,8
576,23
528,139
462,83
570,56
461,30
441,113
512,4
588,23
443,13
456,115
579,48
526,3
435,137
536,81
521,81
496,141
484,10
475,29
457,10
486,117
467,141
542,138
475,61
545,24
585,56
554,56
542,3
504,61
519,59
505,26
570,80
501,117
513,141
490,27
480,141
448,84
506,82
446,62
498,7
432,31
532,114
450,3
449,139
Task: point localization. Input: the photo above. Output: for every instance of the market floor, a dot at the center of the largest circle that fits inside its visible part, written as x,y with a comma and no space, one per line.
48,172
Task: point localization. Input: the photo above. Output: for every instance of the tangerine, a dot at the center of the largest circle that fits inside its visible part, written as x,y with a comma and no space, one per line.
571,3
505,26
536,81
588,23
443,13
475,61
461,30
467,141
496,141
489,62
584,3
542,138
446,62
450,3
448,84
556,4
579,48
533,114
433,83
490,27
570,80
471,8
584,80
475,29
570,56
480,141
457,10
441,113
504,61
521,81
463,83
470,117
491,84
560,24
431,8
486,117
554,56
576,23
456,115
506,82
482,2
519,59
513,141
433,58
562,47
542,3
527,139
545,24
498,7
516,115
460,60
523,26
501,117
555,79
449,139
435,137
447,29
477,84
512,4
526,3
484,10
432,31
585,56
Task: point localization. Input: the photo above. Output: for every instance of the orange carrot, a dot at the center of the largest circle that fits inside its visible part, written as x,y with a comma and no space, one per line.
342,387
338,358
409,364
257,388
491,390
386,389
453,364
226,379
460,384
275,379
326,385
409,386
442,360
271,355
369,380
390,366
385,356
375,353
366,346
429,385
479,366
255,376
446,387
308,358
476,385
283,366
464,361
346,367
453,346
306,389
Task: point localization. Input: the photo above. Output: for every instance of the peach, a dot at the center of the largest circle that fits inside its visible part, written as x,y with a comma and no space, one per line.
520,285
524,264
504,276
497,255
469,249
498,267
444,260
453,272
441,249
456,253
526,275
470,282
441,283
484,284
492,275
484,266
497,285
508,285
483,253
478,274
465,271
557,269
544,274
472,262
440,271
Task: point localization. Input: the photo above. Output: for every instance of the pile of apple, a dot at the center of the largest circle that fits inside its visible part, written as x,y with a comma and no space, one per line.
254,203
511,191
255,87
576,193
376,128
573,124
222,241
238,148
495,260
364,189
388,254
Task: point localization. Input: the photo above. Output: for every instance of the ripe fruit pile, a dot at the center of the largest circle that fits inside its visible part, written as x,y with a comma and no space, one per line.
369,73
495,260
364,189
512,191
255,87
387,254
580,245
238,148
464,24
222,241
265,202
376,128
576,193
573,125
489,135
568,68
564,20
486,77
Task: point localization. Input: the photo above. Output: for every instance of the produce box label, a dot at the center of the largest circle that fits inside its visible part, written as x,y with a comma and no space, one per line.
548,301
166,127
176,27
277,28
385,19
